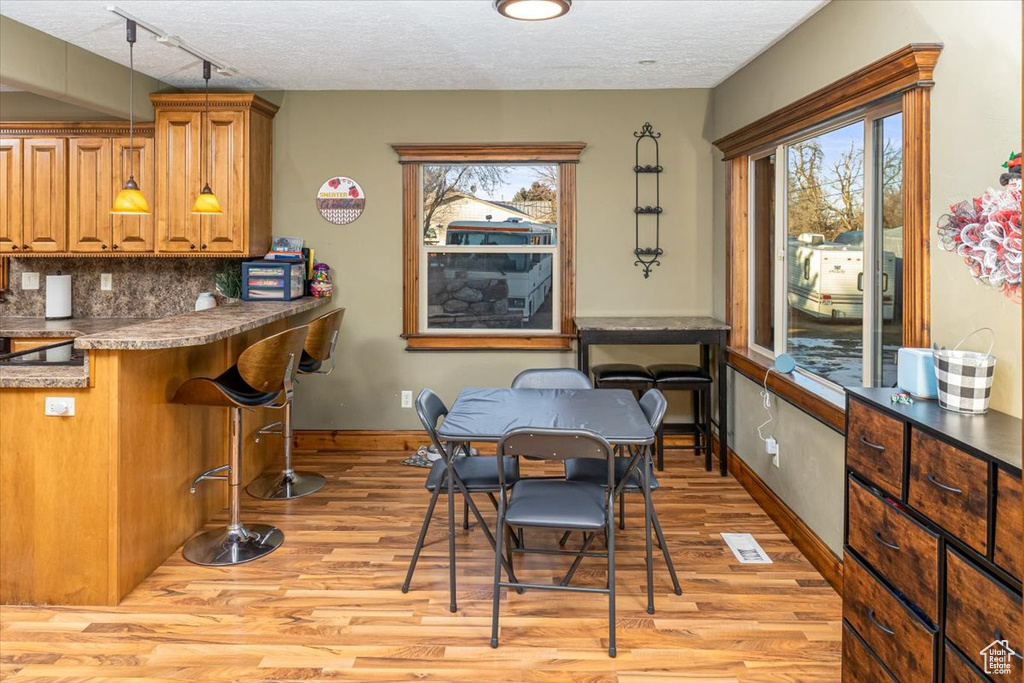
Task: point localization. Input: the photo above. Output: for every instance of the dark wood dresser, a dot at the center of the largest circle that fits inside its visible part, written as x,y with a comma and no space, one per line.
934,554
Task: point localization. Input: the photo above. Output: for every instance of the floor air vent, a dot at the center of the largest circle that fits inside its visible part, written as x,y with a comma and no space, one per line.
746,549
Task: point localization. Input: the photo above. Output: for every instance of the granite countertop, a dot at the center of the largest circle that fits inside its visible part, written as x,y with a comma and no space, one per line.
16,326
628,323
137,334
44,377
197,328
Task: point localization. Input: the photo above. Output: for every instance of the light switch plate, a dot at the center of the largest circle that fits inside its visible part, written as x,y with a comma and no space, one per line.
30,280
106,282
60,407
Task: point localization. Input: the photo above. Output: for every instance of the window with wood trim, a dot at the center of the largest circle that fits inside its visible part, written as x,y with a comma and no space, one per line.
828,248
489,240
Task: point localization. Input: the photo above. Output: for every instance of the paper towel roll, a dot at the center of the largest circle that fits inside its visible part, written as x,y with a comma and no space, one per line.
58,296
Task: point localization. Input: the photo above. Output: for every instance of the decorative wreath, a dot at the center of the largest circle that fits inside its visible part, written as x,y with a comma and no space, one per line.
986,232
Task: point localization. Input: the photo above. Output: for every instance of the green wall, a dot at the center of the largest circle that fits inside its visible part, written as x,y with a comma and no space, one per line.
975,109
321,134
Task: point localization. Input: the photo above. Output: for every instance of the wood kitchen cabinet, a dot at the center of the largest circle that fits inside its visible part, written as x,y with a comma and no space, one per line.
231,149
59,179
44,195
10,191
89,192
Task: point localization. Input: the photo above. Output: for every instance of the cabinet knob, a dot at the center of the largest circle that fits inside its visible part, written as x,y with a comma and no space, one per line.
103,246
14,246
203,247
191,246
113,247
24,246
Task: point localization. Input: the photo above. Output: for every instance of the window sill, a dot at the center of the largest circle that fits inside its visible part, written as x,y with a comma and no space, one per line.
489,342
824,404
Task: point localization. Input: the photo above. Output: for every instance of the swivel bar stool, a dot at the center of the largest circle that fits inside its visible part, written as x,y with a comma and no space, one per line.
264,372
318,349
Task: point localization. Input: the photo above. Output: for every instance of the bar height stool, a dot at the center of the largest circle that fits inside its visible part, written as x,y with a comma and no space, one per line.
318,349
263,372
635,378
695,379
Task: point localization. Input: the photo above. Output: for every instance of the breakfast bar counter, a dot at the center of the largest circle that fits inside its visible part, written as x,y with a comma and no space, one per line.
97,498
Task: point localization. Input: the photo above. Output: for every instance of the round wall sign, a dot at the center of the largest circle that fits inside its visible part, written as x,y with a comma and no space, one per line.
340,200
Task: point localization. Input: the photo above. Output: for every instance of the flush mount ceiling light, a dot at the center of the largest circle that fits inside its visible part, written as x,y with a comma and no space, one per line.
532,10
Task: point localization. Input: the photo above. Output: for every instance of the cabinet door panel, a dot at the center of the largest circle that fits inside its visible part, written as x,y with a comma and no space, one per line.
133,233
89,195
45,194
177,140
10,191
226,146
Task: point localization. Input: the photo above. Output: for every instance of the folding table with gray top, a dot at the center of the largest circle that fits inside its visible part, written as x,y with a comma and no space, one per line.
486,414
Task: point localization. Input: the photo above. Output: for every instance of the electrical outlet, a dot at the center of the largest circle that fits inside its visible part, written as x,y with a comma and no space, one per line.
407,399
59,407
775,459
106,282
30,280
771,446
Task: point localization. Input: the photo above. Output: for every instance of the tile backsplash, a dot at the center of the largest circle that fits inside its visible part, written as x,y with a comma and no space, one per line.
142,287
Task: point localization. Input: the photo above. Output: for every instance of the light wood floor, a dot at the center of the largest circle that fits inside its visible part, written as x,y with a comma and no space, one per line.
327,605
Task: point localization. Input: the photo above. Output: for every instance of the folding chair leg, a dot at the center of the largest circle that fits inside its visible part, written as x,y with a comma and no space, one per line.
611,585
660,439
622,509
452,607
498,537
419,541
664,551
565,537
465,512
647,542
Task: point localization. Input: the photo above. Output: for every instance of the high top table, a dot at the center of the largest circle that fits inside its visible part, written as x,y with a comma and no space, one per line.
668,330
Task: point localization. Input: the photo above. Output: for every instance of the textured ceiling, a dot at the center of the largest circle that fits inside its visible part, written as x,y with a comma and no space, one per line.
429,44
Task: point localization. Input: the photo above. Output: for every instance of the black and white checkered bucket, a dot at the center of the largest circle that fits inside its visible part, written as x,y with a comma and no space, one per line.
965,377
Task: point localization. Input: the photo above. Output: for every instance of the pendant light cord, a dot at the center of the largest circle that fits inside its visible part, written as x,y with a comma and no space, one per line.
209,124
131,99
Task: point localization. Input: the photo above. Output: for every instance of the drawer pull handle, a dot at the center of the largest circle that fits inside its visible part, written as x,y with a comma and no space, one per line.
944,487
998,635
884,629
876,446
890,546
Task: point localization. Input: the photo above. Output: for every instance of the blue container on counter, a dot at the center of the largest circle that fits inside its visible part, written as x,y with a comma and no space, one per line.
273,280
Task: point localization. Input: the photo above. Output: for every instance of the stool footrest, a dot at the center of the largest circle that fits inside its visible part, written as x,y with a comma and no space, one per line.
210,474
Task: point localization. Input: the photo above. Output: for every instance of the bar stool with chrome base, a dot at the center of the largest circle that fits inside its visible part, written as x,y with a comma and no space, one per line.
264,372
318,349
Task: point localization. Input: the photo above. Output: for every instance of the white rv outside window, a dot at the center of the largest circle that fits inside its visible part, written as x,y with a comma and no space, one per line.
826,248
490,249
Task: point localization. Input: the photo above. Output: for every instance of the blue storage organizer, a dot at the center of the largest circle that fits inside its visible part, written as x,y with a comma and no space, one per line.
273,280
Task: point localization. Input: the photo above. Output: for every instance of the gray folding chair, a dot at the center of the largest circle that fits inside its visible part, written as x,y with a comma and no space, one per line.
472,474
551,378
555,504
630,473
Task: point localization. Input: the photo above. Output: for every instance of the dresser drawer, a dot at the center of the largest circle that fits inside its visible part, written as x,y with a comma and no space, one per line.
957,669
900,549
951,488
891,630
980,610
874,447
1009,546
859,663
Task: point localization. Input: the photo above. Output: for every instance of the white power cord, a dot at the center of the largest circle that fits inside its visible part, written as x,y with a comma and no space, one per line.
766,398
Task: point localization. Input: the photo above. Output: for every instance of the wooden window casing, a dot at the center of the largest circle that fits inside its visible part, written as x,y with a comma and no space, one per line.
412,156
907,74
